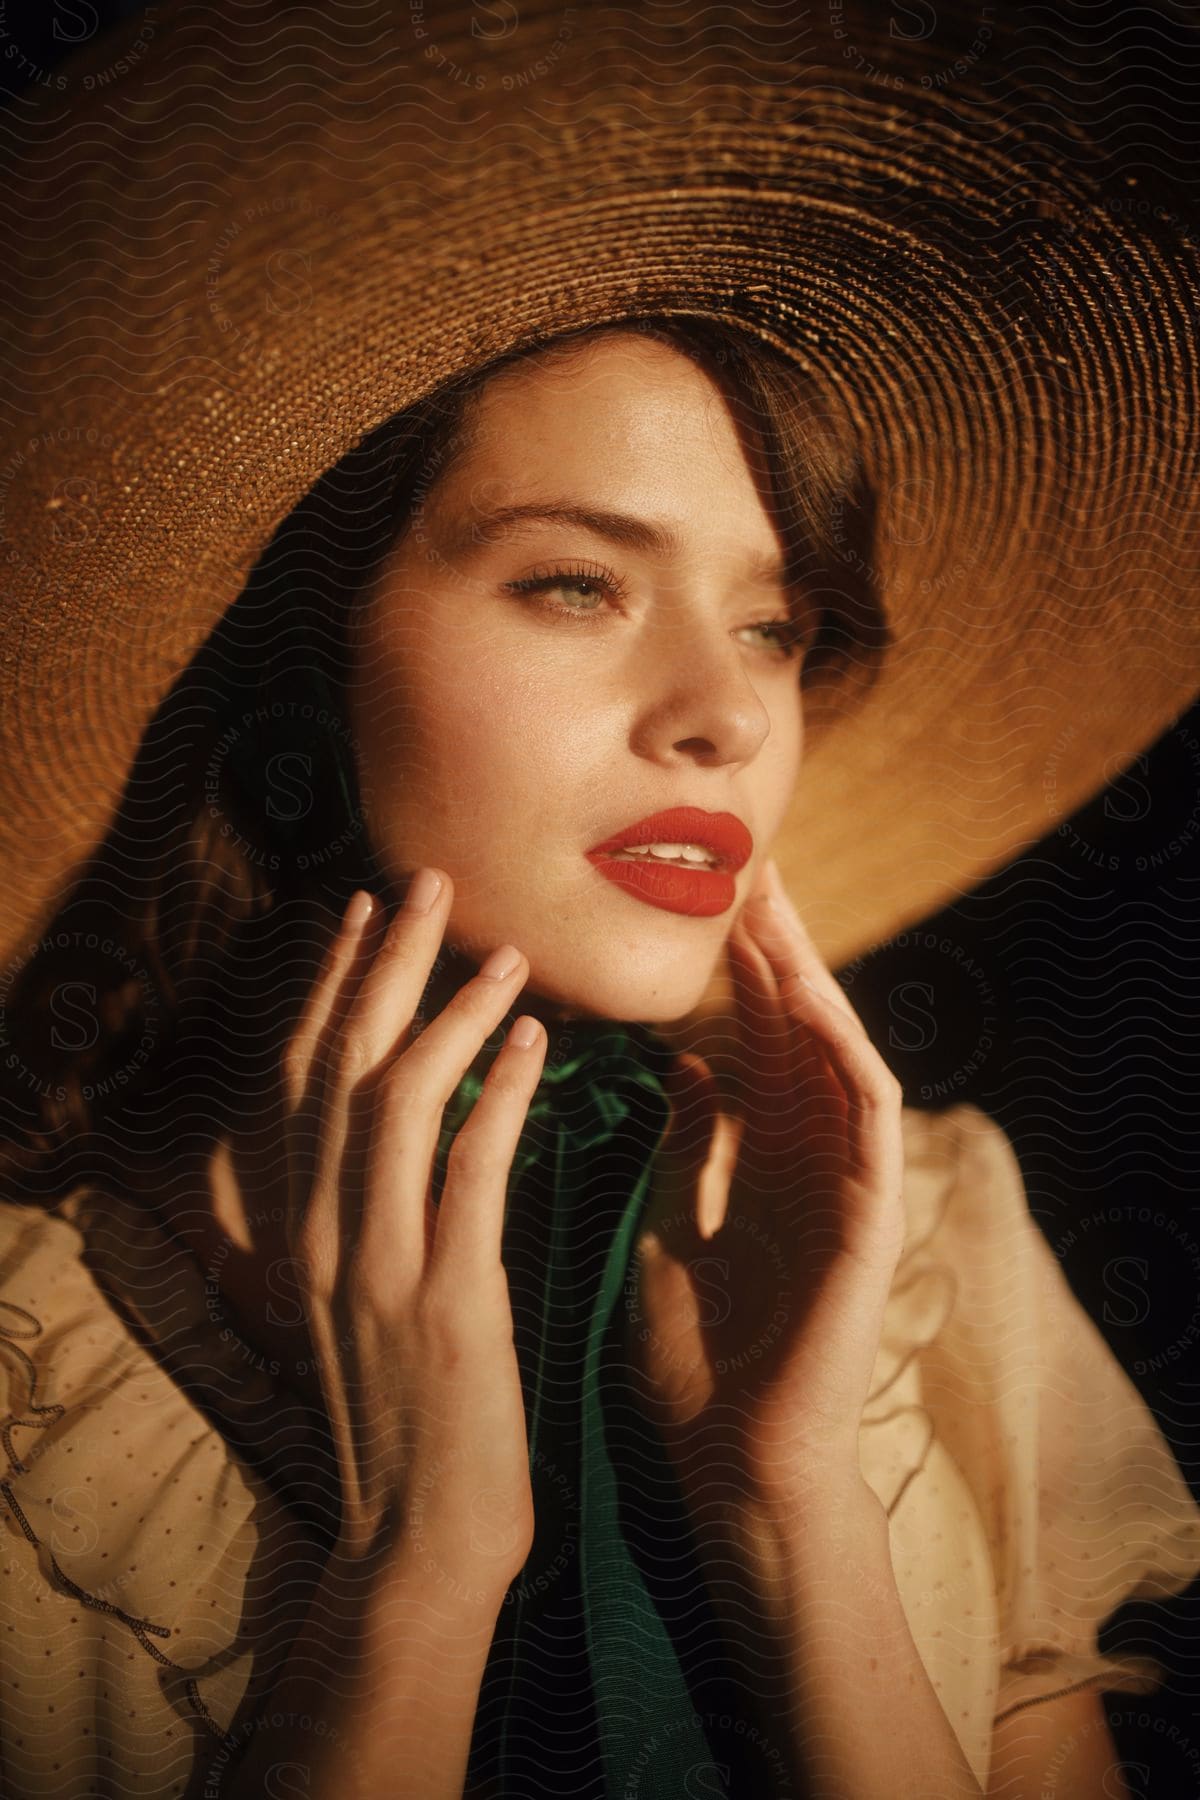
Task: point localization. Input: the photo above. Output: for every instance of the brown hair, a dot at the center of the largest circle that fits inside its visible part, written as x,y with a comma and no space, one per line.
188,941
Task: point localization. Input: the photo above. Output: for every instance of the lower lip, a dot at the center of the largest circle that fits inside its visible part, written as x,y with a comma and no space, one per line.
700,892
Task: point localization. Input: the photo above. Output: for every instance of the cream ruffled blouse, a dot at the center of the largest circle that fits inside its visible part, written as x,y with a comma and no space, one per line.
153,1574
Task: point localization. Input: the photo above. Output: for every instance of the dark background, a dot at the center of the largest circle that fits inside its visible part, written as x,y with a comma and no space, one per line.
1072,1017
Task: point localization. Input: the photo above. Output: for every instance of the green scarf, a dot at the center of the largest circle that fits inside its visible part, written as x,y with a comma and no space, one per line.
651,1737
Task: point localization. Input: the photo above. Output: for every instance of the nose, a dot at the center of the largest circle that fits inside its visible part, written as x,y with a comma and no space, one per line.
699,698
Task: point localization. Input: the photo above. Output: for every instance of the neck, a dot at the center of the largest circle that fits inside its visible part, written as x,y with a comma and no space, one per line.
569,1029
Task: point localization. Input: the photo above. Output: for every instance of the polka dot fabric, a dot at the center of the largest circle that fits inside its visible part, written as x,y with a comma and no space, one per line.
118,1487
1048,1496
153,1571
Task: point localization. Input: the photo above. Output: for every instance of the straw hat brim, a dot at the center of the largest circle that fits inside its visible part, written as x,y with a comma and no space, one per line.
248,242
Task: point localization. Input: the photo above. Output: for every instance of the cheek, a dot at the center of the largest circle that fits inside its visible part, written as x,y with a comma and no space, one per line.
796,717
787,735
778,767
475,719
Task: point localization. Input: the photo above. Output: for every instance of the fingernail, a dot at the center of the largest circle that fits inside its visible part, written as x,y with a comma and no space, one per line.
501,962
359,910
423,890
524,1033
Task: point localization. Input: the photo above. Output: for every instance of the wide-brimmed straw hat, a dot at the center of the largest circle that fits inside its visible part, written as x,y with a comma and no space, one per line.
242,236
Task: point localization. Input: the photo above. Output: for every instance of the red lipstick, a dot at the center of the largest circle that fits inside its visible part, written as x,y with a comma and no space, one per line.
698,888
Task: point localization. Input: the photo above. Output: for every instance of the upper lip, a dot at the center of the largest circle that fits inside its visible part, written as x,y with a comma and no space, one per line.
721,832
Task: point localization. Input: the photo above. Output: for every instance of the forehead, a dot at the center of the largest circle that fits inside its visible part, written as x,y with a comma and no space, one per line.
649,387
623,417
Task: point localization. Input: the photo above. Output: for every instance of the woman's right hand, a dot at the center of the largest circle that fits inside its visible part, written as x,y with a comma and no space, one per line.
408,1302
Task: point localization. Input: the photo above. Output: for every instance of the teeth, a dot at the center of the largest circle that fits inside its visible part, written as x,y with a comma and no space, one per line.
685,853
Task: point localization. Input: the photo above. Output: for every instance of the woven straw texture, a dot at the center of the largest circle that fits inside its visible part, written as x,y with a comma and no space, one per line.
239,247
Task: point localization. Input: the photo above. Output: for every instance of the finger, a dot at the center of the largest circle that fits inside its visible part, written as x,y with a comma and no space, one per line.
810,961
322,998
380,1017
860,1141
469,1228
798,970
339,1040
793,1062
764,1048
303,1076
785,1124
690,1177
408,1100
873,1094
808,1008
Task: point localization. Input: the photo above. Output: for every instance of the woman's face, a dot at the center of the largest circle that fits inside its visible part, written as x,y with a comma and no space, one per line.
505,730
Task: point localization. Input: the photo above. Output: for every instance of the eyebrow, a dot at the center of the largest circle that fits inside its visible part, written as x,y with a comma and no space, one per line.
619,528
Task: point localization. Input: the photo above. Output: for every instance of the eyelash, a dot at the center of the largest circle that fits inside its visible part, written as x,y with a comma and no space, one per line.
792,638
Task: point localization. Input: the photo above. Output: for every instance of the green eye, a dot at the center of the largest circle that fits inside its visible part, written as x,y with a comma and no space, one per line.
791,637
592,581
548,584
595,584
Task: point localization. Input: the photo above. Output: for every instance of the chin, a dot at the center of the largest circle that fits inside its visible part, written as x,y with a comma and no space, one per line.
665,997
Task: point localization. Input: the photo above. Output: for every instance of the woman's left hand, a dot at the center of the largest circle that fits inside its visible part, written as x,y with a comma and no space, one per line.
772,1235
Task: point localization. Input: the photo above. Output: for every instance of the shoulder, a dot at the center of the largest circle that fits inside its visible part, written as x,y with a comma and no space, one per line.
962,1175
967,1207
1081,1500
135,1586
1029,1489
39,1251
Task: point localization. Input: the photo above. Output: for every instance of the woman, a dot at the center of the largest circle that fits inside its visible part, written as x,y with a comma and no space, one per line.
474,1457
605,943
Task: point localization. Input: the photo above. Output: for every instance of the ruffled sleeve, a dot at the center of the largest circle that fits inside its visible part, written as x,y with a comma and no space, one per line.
141,1560
1041,1456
